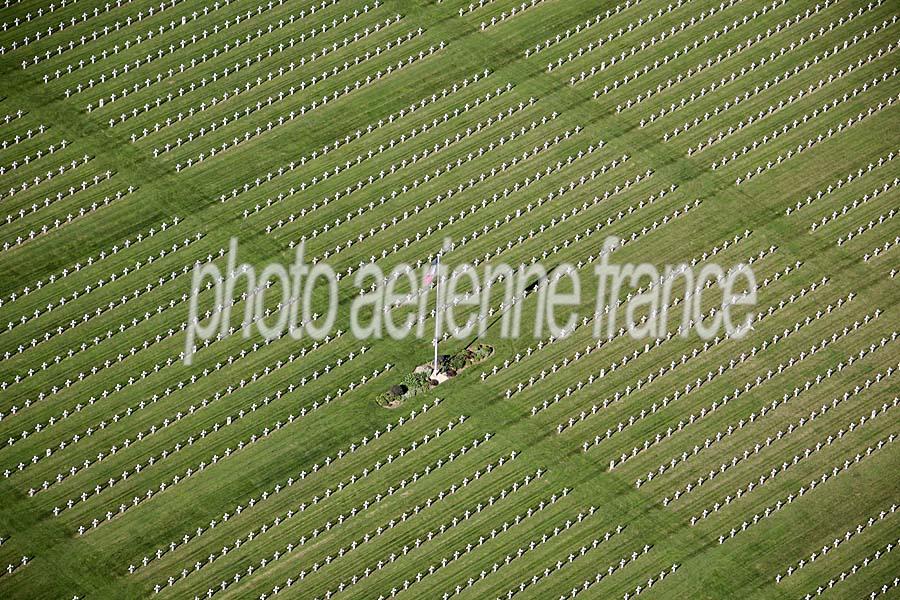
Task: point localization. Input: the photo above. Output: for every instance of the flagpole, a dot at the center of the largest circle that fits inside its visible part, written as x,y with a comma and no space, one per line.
437,313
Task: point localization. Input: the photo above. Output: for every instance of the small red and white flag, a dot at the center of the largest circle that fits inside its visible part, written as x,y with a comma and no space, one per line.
431,273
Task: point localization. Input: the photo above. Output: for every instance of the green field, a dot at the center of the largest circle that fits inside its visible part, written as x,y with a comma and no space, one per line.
138,138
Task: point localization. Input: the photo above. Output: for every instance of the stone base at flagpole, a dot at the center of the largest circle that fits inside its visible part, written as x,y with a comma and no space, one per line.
424,377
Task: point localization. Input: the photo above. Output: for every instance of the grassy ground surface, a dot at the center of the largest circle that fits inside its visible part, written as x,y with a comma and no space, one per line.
381,534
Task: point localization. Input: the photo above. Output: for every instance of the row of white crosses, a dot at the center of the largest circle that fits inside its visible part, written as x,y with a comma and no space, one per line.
686,358
572,389
766,409
39,12
128,379
332,523
56,171
883,551
473,7
462,551
416,211
857,202
626,560
644,412
447,525
798,390
791,99
143,404
833,545
29,159
522,550
151,80
734,428
190,438
841,182
502,304
842,127
740,47
778,337
127,324
10,117
572,421
12,567
133,380
449,166
620,188
497,197
704,412
872,224
867,561
163,281
806,490
769,474
788,73
112,279
416,157
21,138
563,216
601,40
370,79
635,235
423,234
641,587
567,361
754,89
98,367
515,10
19,21
387,147
621,332
127,22
72,350
101,255
339,457
173,48
565,334
523,184
218,123
552,568
885,587
591,22
198,468
70,192
16,299
440,198
879,250
796,123
210,103
545,343
763,88
434,500
405,112
71,216
183,384
659,38
678,53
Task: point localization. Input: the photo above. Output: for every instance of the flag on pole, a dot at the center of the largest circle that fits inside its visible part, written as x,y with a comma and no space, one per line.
431,273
